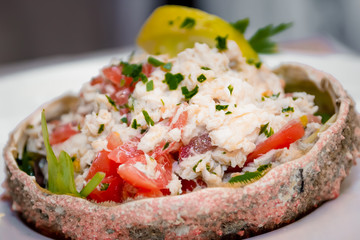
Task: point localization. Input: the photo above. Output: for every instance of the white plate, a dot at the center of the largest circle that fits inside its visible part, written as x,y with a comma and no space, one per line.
22,91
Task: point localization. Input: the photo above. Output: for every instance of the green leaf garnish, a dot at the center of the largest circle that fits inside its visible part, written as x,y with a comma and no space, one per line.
252,61
221,43
112,102
124,120
150,86
131,70
228,112
134,124
148,119
166,145
167,66
261,42
173,80
205,68
265,131
61,171
195,166
288,109
104,186
201,78
189,94
241,25
221,107
101,128
143,78
188,23
155,62
231,88
249,177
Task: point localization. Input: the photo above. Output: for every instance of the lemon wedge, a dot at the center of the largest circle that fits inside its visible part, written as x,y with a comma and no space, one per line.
171,29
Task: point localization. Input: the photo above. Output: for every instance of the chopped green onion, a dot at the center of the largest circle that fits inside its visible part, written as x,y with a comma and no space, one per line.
148,119
205,68
189,94
231,88
101,128
92,184
188,23
134,124
124,120
173,80
288,109
112,102
228,112
221,107
150,86
166,145
155,62
221,43
201,78
195,166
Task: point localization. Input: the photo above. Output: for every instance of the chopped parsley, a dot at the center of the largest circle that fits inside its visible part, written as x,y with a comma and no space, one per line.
148,119
189,94
173,80
143,130
252,61
162,102
249,177
143,78
208,169
231,88
134,124
167,66
153,61
150,86
131,70
265,131
273,96
228,112
261,42
221,107
112,102
124,120
241,25
188,23
201,78
166,145
104,186
101,128
195,166
288,109
221,43
205,68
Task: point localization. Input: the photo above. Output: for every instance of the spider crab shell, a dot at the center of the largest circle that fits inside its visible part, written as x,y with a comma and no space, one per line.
284,194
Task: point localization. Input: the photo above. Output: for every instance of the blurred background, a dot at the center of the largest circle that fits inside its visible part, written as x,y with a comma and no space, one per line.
42,28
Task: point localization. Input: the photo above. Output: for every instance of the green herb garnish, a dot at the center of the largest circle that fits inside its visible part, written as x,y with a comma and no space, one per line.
241,25
167,66
261,42
221,43
166,145
208,169
188,23
148,119
201,78
189,94
173,80
265,131
143,78
195,166
104,186
155,62
231,88
124,120
150,86
249,177
228,112
131,70
61,170
288,109
112,102
221,107
205,68
252,61
101,128
134,124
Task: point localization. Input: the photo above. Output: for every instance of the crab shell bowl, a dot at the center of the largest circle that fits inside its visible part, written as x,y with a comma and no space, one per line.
284,194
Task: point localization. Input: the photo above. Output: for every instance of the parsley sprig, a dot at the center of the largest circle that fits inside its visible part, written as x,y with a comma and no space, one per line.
261,41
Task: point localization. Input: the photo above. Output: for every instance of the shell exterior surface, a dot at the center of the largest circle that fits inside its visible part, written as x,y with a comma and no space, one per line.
284,194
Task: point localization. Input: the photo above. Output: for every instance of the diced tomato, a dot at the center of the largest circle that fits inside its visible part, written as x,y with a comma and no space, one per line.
113,187
102,163
147,69
291,132
62,133
97,80
149,193
126,151
114,140
180,122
